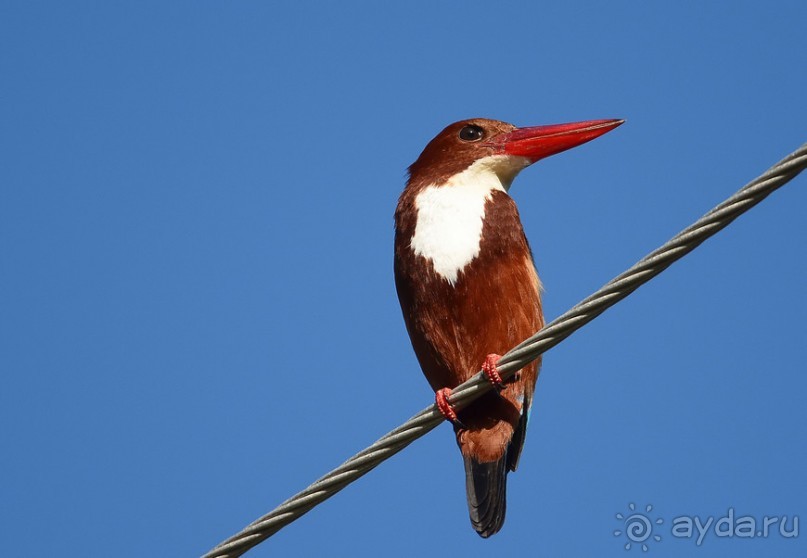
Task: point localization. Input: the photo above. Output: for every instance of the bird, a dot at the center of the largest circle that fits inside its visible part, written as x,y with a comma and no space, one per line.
468,287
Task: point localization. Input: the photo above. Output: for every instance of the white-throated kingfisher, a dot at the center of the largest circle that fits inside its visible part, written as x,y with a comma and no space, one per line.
468,287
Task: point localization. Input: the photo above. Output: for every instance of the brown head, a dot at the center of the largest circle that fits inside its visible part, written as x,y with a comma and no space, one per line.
500,146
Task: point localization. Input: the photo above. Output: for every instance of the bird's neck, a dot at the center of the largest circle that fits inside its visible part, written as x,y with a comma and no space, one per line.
449,218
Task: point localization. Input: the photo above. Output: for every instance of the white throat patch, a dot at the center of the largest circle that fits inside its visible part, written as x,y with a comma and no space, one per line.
449,217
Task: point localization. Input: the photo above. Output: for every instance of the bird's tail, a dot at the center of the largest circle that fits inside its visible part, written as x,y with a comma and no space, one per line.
486,489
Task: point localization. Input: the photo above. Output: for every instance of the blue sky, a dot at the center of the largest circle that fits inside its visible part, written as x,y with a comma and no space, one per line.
198,311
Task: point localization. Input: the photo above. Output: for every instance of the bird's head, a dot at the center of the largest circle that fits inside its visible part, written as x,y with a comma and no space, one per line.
484,146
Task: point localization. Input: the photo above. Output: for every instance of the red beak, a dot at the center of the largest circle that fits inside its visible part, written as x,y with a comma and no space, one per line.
538,142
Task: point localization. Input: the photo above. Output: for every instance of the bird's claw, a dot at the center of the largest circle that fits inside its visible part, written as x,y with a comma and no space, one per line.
441,399
491,370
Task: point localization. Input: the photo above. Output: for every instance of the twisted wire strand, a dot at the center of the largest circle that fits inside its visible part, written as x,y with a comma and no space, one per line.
515,359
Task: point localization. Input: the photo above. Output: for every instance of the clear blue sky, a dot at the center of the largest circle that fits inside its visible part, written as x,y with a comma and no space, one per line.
198,317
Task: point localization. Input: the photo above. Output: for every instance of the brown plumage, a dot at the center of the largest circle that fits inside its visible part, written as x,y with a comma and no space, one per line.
468,287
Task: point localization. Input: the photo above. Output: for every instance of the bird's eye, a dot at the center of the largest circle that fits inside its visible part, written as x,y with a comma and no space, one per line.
471,132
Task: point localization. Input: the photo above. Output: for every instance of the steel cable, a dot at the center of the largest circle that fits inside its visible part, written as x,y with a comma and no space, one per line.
527,351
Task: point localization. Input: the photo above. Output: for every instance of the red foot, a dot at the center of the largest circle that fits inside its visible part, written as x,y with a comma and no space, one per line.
441,398
491,370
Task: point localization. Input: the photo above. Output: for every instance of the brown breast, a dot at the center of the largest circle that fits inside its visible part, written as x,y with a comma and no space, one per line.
494,304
